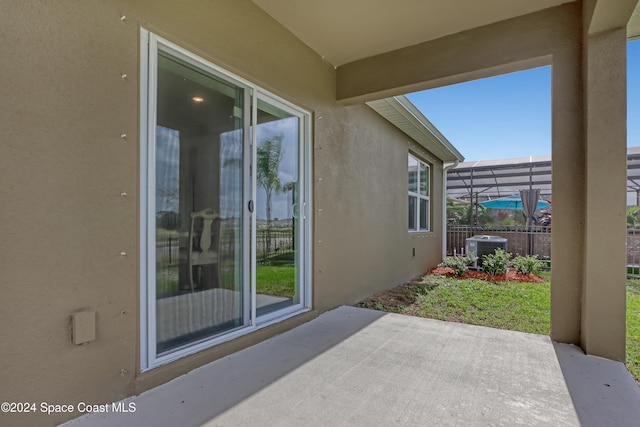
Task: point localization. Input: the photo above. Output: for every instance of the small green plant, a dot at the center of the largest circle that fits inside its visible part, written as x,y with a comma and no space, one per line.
471,258
496,263
456,263
460,264
527,264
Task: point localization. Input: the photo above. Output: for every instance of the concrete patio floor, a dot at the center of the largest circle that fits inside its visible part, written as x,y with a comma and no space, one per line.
358,367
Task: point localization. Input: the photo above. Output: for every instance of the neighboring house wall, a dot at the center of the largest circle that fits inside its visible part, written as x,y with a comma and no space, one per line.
70,152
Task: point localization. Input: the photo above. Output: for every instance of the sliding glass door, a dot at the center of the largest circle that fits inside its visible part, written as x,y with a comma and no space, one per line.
198,161
224,220
277,214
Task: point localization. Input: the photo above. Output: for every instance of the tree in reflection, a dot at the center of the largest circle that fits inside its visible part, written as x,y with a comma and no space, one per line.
268,161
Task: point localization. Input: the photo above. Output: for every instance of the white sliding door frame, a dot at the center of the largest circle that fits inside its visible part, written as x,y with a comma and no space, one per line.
151,44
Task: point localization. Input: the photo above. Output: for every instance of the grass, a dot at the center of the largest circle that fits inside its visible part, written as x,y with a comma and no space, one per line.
523,307
270,280
276,281
520,307
633,327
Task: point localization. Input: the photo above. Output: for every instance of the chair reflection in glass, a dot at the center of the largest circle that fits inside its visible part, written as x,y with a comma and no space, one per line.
204,238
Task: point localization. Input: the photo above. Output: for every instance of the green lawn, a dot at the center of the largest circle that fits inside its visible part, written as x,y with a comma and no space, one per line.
633,327
515,306
270,280
276,281
508,305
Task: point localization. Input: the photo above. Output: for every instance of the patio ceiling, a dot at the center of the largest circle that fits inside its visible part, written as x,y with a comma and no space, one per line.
345,31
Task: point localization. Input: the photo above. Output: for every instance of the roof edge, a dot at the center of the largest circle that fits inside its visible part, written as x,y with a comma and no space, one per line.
401,113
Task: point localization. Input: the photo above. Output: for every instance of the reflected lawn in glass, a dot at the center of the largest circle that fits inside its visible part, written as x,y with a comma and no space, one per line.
167,282
279,281
276,281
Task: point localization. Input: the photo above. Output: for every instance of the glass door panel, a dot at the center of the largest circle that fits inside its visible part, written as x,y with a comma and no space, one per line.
199,163
278,223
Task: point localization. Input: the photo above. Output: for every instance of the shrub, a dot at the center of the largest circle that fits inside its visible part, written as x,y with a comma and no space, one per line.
471,258
527,264
456,263
496,263
460,264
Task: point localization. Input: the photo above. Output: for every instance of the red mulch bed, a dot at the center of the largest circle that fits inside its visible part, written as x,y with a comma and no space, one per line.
511,275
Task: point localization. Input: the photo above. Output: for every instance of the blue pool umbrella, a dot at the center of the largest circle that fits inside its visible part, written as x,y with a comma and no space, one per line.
512,202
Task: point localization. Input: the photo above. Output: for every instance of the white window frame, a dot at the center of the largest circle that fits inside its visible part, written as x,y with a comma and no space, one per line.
150,45
419,196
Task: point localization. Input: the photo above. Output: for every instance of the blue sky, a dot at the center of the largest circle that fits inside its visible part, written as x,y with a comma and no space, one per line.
510,115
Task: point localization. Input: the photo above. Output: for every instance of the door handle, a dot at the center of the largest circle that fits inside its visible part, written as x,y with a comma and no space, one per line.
250,206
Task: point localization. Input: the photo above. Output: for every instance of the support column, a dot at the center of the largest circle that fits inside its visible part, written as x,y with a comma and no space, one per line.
604,286
567,233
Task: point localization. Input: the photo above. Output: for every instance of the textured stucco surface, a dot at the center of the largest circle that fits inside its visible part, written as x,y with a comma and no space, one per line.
64,106
604,295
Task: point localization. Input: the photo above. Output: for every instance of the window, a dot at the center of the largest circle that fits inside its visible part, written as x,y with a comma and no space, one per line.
225,202
419,193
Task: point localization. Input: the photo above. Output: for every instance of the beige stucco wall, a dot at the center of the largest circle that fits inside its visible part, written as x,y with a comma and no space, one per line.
604,292
361,238
64,105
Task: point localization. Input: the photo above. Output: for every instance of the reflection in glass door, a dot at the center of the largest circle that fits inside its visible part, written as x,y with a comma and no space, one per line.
199,138
277,210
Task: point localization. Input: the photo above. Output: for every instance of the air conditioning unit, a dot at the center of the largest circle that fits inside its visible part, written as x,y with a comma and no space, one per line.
484,245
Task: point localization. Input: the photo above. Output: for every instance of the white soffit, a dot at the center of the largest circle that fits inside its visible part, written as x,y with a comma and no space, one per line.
344,31
400,112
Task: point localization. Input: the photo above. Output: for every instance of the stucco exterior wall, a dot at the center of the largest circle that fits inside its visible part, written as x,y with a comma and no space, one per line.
361,239
604,295
70,215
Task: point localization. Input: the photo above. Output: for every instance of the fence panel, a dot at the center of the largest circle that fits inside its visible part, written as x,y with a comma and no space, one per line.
534,240
276,242
633,253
